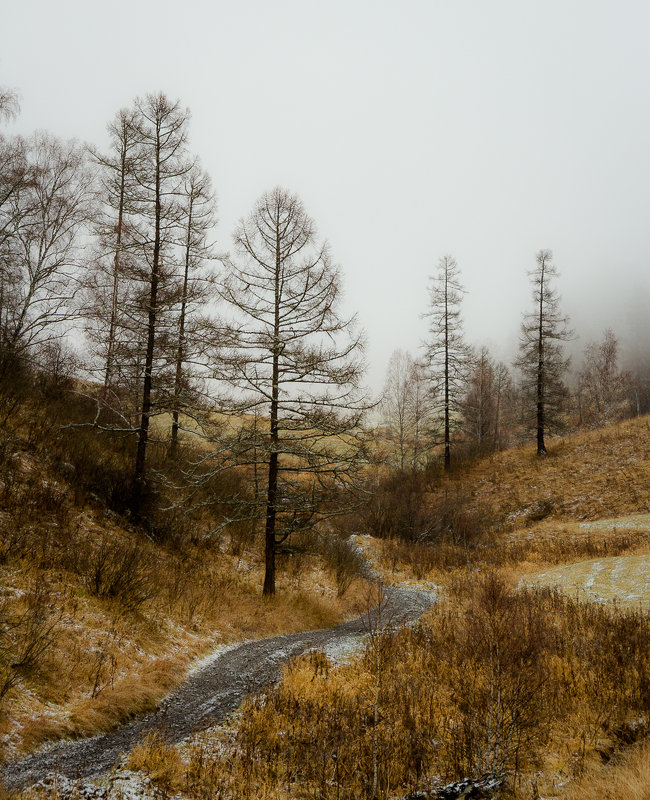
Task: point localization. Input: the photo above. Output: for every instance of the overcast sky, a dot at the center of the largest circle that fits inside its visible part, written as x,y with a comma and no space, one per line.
486,130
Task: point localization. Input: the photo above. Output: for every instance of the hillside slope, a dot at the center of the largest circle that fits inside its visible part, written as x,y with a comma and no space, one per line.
99,620
590,475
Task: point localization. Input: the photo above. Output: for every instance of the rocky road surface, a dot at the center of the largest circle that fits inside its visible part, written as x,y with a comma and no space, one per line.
210,694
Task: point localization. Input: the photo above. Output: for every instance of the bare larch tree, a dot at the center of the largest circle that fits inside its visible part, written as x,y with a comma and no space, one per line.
114,261
541,359
294,363
196,286
447,355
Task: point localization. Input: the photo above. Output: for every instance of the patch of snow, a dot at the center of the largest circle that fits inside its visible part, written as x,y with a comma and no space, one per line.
345,650
213,655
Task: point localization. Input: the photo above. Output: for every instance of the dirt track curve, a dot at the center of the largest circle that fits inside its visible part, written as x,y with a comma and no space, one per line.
209,695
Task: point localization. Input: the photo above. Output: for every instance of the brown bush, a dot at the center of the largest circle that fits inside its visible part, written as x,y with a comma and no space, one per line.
344,560
116,568
27,631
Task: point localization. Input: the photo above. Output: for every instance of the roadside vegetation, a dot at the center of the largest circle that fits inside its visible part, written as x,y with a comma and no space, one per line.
101,616
526,683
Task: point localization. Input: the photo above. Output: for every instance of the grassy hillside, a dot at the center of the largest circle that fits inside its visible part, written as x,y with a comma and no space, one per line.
548,689
591,475
100,617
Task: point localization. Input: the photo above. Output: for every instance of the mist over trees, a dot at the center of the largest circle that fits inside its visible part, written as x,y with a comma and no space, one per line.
406,409
603,390
488,404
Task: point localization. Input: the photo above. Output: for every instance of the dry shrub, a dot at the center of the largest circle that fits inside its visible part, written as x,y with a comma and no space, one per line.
117,568
27,631
623,779
37,517
508,551
406,507
397,508
158,760
100,466
344,560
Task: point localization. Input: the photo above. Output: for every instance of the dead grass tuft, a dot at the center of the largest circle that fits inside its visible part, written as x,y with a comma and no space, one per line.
625,778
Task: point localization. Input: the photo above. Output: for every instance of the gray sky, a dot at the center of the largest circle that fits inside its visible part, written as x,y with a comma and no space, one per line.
487,130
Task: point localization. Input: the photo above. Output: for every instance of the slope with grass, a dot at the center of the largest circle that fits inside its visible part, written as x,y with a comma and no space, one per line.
592,475
530,681
100,618
211,693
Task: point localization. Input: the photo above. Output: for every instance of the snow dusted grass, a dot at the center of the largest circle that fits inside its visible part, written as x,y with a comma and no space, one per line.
632,522
624,579
107,663
621,579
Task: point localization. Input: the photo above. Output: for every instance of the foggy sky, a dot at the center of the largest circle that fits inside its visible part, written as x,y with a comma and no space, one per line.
411,130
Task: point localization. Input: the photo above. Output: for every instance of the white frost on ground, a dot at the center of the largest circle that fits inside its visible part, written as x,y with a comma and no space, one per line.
622,579
120,785
211,656
633,522
344,650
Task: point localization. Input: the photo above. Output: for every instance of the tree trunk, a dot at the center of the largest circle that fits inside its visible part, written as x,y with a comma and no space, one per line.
143,433
541,447
271,498
116,273
180,351
447,429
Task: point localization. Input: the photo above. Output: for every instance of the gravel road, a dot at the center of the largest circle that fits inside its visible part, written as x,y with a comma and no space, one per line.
209,694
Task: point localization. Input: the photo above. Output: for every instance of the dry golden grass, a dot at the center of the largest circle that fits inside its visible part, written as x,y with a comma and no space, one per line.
625,778
108,661
492,679
591,475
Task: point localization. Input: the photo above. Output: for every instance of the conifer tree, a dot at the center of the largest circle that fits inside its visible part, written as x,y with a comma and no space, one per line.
447,355
541,358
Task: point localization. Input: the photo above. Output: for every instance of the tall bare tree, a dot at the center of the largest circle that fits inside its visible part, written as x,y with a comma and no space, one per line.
447,354
488,402
196,287
541,360
395,402
406,408
293,358
137,285
44,215
161,167
115,260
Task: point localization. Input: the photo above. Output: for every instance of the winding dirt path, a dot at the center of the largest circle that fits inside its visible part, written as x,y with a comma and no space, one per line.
210,694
